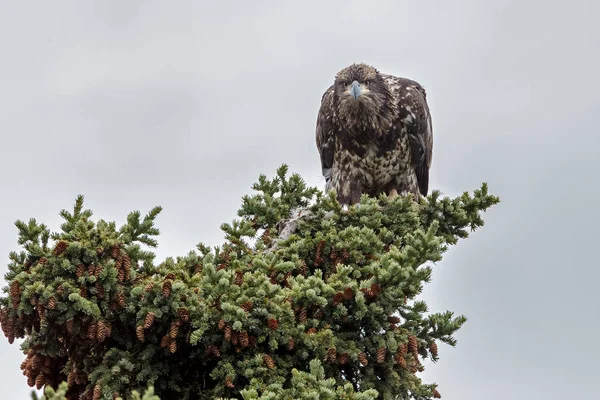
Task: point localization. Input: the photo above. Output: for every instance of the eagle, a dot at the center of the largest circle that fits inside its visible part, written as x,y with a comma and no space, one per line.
374,135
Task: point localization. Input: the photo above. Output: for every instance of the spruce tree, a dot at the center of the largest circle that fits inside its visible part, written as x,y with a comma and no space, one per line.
326,310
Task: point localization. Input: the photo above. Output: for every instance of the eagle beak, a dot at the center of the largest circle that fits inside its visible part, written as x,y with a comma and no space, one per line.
355,89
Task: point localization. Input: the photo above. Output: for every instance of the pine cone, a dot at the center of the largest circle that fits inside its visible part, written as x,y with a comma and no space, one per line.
71,379
148,320
101,332
115,252
433,347
15,293
100,290
40,380
381,352
229,383
247,306
97,392
312,331
403,349
319,313
235,336
344,358
338,298
319,253
139,333
173,346
52,303
198,268
303,315
303,268
269,362
107,329
393,319
166,289
98,270
31,380
436,394
221,324
244,340
174,329
331,354
59,248
164,342
69,326
239,278
413,346
121,299
121,274
253,340
149,286
290,343
228,333
92,330
400,360
184,314
126,262
345,254
91,270
362,357
266,237
80,270
348,293
273,324
42,261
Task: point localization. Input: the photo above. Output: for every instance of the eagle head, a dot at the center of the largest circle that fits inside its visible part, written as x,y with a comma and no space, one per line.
360,95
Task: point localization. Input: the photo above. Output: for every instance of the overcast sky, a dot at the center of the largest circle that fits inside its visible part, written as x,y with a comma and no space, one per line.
184,103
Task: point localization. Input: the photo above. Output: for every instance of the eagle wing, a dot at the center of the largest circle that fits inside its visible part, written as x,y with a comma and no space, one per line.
415,116
325,133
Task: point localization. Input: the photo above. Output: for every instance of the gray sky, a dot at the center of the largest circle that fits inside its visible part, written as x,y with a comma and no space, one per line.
183,104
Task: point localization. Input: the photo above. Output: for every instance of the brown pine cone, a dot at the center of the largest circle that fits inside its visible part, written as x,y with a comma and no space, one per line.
229,383
173,346
436,394
40,380
98,270
227,333
400,360
244,339
121,299
69,326
269,362
174,329
303,315
338,298
115,251
303,268
100,290
247,306
166,289
362,357
149,286
381,352
290,343
348,293
343,358
273,324
312,331
239,278
164,342
139,333
80,270
393,319
221,324
71,379
345,254
60,248
413,346
433,347
91,270
42,261
92,330
148,320
184,314
101,332
97,392
235,336
52,303
403,349
331,354
319,313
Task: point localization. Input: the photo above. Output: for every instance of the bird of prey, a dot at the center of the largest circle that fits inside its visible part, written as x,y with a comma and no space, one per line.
374,135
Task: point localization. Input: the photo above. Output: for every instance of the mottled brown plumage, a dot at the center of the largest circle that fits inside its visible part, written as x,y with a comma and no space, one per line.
374,135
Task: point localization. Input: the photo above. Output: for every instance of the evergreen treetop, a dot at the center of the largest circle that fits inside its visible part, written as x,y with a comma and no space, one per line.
330,310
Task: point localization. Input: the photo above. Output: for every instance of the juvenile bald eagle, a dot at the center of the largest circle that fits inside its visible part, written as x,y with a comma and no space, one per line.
374,135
